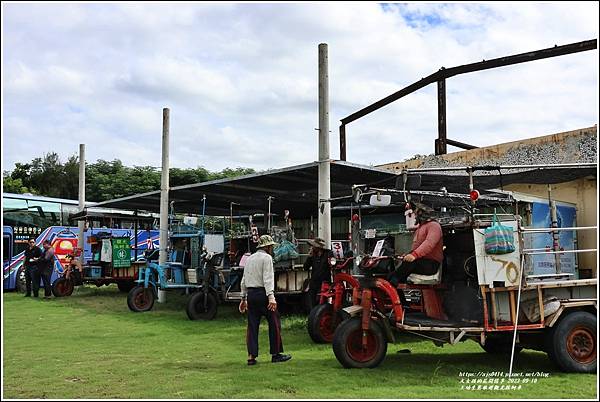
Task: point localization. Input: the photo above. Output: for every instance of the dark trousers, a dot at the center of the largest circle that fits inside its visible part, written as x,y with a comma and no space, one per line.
257,308
314,288
29,274
44,274
422,266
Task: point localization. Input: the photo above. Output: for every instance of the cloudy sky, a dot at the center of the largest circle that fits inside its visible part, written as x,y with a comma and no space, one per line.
241,79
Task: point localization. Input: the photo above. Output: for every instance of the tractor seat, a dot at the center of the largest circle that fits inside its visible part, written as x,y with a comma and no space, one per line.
418,279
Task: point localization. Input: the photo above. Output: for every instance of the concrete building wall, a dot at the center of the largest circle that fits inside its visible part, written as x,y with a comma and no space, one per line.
566,147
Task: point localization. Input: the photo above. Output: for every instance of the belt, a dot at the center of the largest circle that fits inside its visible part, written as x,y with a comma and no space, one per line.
257,288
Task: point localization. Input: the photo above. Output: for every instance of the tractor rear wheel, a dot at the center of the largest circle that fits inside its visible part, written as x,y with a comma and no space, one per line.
348,344
62,287
199,308
322,323
140,299
573,343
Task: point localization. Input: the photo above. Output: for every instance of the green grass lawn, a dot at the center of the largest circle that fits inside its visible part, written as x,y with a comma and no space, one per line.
90,345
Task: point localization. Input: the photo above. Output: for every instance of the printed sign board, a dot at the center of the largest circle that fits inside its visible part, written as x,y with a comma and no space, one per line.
546,263
338,250
121,252
378,248
370,233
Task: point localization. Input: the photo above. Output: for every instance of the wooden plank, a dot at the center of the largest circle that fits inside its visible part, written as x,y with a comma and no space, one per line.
485,309
513,311
541,302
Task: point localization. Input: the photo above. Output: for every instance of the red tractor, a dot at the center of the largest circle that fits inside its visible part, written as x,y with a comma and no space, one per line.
327,315
494,304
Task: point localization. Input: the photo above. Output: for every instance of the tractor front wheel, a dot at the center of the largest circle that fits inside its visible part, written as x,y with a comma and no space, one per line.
140,299
349,348
201,308
322,322
62,287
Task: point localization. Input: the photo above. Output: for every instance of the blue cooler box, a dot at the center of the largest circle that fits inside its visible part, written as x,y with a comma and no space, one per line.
94,272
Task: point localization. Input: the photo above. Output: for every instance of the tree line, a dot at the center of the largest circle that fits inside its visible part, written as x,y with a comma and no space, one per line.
105,180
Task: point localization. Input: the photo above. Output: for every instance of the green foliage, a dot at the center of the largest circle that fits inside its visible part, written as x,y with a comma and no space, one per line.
105,180
45,176
10,185
213,224
91,346
180,177
228,172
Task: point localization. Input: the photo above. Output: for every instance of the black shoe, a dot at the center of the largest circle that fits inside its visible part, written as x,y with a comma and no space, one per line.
251,362
27,295
35,296
280,358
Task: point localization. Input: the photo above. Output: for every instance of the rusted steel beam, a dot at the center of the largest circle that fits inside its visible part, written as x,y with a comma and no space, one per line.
458,144
440,144
393,97
343,142
444,73
523,57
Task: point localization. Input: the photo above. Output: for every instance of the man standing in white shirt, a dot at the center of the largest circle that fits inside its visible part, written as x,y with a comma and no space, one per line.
258,299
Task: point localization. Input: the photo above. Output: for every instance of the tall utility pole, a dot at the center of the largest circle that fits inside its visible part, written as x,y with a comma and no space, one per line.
164,199
324,162
81,223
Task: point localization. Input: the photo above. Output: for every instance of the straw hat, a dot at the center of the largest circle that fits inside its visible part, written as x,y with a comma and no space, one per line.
264,241
425,211
317,242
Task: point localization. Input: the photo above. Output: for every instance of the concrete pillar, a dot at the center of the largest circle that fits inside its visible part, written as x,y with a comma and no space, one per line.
164,199
324,221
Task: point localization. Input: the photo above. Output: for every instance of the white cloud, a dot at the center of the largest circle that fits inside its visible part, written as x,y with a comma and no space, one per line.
241,79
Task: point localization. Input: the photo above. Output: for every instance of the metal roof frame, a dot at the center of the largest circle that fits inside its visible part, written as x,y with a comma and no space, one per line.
293,188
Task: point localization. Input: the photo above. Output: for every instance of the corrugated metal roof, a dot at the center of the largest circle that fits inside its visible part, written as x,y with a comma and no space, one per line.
293,188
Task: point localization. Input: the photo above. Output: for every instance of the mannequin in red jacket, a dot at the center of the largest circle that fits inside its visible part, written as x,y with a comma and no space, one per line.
426,254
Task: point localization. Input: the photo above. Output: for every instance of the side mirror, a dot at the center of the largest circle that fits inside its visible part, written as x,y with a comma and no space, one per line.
379,200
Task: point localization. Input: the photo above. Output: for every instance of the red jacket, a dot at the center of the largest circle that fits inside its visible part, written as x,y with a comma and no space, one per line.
427,242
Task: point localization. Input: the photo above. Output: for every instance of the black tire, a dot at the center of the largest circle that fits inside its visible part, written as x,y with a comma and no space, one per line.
62,287
319,323
140,299
198,310
500,345
347,344
573,343
125,287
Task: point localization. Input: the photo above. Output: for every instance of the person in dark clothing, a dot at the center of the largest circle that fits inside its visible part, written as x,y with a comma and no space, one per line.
44,271
318,261
32,255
